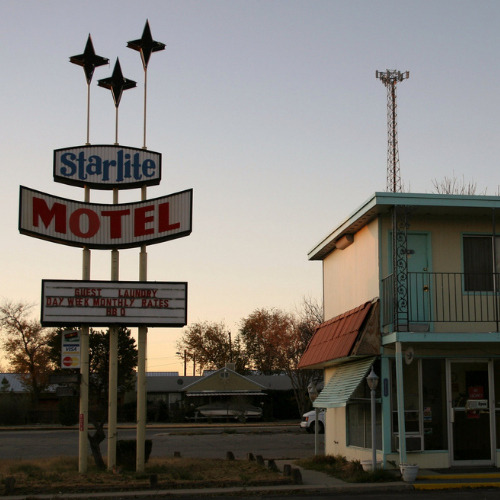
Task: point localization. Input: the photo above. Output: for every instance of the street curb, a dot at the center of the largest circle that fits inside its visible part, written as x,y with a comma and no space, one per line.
208,492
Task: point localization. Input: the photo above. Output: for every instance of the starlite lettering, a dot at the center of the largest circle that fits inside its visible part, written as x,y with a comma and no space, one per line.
123,167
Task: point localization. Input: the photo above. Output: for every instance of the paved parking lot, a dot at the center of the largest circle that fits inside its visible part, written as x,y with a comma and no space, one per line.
278,442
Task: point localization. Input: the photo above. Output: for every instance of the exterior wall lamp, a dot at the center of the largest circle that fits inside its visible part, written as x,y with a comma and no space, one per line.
344,242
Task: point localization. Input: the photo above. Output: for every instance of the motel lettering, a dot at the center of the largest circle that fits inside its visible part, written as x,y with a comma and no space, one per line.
105,226
86,223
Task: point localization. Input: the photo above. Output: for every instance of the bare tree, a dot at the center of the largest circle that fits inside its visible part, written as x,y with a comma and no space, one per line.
453,185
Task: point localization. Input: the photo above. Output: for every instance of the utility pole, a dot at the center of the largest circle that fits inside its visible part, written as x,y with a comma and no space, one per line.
390,79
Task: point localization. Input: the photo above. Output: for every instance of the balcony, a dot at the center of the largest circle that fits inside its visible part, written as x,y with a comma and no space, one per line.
441,302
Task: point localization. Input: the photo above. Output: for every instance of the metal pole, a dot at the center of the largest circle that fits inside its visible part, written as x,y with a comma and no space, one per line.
88,114
141,399
113,365
374,431
141,367
145,101
84,381
116,125
316,432
401,404
84,369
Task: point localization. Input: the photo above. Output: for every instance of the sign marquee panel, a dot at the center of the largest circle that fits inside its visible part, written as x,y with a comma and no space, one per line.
107,166
95,225
103,303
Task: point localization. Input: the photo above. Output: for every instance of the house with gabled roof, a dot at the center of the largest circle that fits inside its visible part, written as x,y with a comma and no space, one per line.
411,288
226,394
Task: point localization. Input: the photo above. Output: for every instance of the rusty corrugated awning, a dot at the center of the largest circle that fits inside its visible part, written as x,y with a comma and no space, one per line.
335,338
342,385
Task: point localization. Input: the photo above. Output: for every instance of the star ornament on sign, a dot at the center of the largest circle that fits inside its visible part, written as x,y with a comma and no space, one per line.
146,45
89,60
117,83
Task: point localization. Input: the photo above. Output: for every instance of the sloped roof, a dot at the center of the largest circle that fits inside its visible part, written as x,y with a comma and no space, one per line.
335,338
176,383
224,380
168,383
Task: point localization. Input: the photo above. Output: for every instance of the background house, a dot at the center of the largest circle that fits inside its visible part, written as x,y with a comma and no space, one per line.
175,398
15,402
429,264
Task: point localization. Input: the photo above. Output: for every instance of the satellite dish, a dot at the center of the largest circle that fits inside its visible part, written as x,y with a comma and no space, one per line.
409,355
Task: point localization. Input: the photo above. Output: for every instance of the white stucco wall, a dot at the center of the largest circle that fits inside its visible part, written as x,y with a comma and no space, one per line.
351,276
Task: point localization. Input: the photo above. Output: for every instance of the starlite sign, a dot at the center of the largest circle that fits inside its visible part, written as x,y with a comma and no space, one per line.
103,303
107,167
94,225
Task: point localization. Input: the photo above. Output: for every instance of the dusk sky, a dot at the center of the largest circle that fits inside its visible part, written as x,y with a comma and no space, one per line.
268,109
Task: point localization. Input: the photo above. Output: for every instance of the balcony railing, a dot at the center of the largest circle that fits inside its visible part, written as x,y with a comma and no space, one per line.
423,298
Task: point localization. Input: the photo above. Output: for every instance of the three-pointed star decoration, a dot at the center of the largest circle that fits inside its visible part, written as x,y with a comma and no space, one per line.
89,60
117,83
146,45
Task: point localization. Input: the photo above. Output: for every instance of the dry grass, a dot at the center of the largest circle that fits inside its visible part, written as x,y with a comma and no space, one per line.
349,471
60,475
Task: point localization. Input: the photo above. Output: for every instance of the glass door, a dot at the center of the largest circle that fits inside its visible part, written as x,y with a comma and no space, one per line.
471,413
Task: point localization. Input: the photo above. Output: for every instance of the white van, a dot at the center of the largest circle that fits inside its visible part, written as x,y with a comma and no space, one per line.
309,421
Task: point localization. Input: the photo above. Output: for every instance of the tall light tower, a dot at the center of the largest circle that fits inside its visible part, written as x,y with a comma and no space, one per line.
390,78
400,214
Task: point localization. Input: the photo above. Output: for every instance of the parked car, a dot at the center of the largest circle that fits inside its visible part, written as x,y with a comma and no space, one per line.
309,421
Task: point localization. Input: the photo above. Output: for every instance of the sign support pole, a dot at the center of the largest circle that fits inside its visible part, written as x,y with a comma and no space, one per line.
84,369
141,367
113,365
84,381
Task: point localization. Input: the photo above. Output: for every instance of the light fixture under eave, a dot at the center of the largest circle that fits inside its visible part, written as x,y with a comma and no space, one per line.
344,242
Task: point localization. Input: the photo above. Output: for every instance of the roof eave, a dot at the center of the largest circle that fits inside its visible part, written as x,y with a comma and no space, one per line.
382,202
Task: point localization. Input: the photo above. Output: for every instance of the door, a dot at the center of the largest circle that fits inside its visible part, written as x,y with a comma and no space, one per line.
419,296
470,413
413,289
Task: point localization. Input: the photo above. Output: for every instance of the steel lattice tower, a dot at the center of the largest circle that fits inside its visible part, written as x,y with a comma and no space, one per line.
390,78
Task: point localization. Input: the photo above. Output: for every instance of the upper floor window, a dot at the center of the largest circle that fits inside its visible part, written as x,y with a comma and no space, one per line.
480,262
